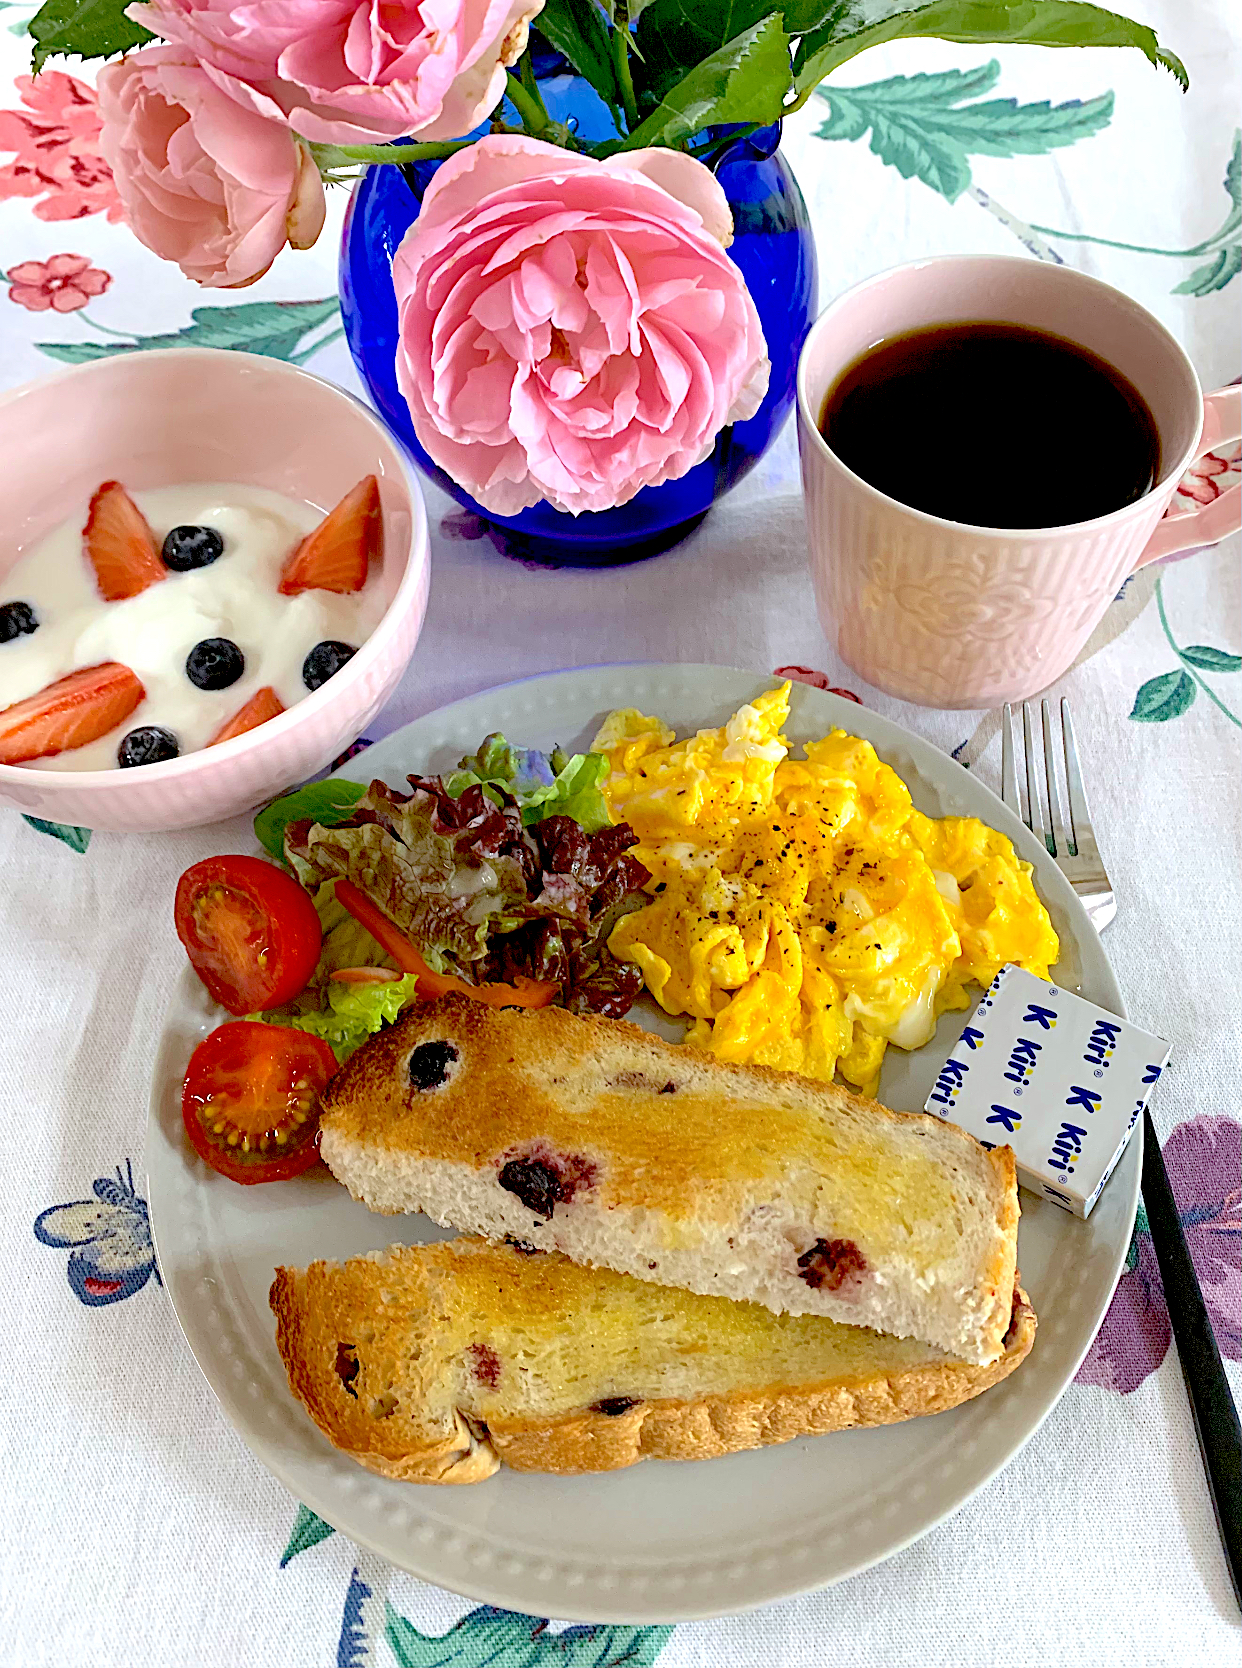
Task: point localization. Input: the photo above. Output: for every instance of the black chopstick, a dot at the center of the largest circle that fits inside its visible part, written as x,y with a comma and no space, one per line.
1215,1416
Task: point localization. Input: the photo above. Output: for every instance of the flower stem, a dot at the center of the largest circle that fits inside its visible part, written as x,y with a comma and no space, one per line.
1211,694
532,86
106,329
621,62
337,156
528,106
303,354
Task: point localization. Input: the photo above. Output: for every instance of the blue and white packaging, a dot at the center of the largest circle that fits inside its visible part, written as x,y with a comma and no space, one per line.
1056,1078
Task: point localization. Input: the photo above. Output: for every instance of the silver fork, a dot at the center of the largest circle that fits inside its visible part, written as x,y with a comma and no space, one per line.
1072,844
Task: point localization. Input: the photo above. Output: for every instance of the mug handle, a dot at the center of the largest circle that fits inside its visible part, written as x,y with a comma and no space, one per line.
1207,523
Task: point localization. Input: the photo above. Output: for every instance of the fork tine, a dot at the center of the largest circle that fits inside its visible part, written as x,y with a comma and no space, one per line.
1061,843
1010,792
1036,821
1080,816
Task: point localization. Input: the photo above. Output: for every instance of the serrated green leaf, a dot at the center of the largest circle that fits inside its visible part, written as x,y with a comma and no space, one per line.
1214,274
1205,659
920,125
577,30
676,35
973,23
746,80
273,329
83,29
77,839
327,802
308,1531
503,1639
1162,698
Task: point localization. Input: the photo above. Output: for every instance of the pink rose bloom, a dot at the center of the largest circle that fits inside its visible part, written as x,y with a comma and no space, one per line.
572,330
205,182
65,283
354,71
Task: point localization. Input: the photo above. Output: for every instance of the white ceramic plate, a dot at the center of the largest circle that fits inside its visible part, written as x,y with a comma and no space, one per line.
660,1542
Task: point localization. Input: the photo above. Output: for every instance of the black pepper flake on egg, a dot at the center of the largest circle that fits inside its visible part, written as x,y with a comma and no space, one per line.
325,661
215,663
17,619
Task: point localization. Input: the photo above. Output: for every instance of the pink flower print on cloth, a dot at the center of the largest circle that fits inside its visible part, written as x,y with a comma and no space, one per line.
56,137
64,283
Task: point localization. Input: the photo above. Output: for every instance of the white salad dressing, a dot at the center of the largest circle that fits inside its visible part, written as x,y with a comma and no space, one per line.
236,597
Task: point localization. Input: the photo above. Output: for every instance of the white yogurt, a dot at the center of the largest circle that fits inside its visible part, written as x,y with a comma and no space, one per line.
236,596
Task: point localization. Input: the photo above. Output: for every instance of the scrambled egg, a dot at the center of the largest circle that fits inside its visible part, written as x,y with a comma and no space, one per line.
804,915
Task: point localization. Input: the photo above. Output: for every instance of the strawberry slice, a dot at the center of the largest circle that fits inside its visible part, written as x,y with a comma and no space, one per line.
69,713
336,555
120,545
261,706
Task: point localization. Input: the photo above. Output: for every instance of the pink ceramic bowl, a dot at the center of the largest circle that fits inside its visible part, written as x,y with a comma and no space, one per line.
187,414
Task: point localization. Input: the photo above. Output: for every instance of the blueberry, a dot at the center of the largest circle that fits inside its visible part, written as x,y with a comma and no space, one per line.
429,1064
149,744
17,619
192,547
325,661
214,663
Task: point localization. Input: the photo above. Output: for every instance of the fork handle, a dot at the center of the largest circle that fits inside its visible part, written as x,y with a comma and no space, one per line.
1211,1404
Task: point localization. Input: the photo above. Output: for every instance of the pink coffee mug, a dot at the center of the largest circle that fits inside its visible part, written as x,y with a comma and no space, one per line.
947,615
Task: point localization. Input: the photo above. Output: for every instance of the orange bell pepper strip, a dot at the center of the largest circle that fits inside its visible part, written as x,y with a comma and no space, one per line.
526,993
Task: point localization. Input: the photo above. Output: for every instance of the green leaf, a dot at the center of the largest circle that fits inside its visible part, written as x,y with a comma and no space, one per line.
83,29
576,29
746,80
971,22
1206,659
674,36
273,329
327,802
1214,274
308,1531
1162,698
503,1639
77,839
921,126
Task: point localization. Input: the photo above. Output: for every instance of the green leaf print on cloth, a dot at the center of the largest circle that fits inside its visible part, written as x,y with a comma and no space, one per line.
1223,248
77,839
275,329
308,1531
489,1638
1173,693
922,125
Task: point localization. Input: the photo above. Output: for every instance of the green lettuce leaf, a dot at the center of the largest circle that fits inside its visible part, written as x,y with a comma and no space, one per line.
544,784
351,1013
327,802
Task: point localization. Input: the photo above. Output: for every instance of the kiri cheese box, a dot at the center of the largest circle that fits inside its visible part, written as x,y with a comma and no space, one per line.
1056,1078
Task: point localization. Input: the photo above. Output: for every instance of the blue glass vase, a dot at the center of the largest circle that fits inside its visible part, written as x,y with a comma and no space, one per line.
772,245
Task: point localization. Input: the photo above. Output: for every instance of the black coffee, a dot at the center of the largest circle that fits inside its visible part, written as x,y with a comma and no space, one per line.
995,425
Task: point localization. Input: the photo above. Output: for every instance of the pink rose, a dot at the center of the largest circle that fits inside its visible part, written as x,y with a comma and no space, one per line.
572,330
353,71
205,182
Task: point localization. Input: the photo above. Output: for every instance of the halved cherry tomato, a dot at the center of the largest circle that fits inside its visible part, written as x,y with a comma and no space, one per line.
250,931
525,993
250,1101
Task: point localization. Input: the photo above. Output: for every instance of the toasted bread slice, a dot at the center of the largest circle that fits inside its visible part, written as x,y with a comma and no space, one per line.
433,1363
591,1137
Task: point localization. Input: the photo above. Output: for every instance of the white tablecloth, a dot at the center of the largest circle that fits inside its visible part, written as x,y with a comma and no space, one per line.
138,1529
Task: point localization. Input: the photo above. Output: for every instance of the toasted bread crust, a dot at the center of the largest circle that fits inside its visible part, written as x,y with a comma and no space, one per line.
669,1135
318,1307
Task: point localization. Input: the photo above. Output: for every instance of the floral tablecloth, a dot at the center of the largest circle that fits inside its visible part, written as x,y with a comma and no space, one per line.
138,1529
